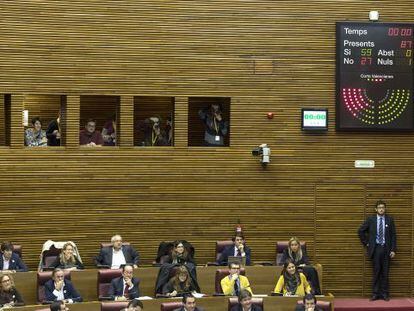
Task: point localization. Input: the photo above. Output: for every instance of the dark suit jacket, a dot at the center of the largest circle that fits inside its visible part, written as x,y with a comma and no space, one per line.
368,234
105,256
117,288
239,307
69,291
229,251
16,263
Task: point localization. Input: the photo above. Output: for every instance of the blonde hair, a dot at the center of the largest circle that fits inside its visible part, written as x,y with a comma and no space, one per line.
62,255
1,280
299,254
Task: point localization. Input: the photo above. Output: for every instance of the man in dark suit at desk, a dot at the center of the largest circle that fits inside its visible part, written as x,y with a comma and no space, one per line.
378,234
117,255
189,304
238,249
58,288
125,287
309,304
10,260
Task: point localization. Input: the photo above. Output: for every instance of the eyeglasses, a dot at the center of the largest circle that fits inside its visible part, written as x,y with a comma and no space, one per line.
5,281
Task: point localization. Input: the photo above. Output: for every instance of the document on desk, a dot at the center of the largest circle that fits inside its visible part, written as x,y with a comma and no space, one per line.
145,298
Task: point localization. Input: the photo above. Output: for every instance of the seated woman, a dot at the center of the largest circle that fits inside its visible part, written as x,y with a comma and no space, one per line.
180,255
291,281
180,284
109,132
9,296
245,302
299,257
35,137
67,260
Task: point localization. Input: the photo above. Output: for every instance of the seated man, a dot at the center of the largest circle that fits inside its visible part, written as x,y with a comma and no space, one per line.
239,249
233,283
126,286
245,302
117,255
89,137
10,261
58,306
134,305
309,304
189,304
58,288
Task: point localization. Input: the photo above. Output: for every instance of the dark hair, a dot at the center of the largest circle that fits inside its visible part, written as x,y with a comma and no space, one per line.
244,294
380,202
234,263
90,120
136,303
6,246
127,265
55,306
309,297
238,235
185,297
36,119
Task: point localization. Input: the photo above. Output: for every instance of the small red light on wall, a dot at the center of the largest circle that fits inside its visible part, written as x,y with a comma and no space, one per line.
270,115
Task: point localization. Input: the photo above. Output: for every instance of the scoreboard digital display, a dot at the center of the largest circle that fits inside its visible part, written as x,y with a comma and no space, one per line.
374,79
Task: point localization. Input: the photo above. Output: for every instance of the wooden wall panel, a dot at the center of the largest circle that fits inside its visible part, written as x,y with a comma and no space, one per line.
2,120
266,56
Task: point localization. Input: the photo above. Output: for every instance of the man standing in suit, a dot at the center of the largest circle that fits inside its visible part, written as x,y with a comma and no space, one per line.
117,255
378,234
189,304
9,260
58,288
238,249
125,287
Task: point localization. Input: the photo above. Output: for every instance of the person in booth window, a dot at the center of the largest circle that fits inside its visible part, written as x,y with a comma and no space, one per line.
125,287
35,136
58,288
154,135
300,258
378,234
89,136
291,281
117,255
9,296
216,128
233,283
245,302
239,249
67,260
109,132
53,132
9,260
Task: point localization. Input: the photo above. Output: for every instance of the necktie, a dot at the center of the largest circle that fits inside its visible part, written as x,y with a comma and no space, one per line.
126,291
381,231
236,288
239,253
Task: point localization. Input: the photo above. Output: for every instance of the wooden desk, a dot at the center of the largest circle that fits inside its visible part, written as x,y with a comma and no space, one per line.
262,279
207,303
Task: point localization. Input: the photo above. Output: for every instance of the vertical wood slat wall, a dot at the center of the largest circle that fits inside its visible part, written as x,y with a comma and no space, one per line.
265,56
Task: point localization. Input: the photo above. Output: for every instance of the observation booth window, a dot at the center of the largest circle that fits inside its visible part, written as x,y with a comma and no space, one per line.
209,121
5,119
98,120
44,120
154,121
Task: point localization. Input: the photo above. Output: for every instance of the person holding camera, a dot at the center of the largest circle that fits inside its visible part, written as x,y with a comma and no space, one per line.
216,128
153,134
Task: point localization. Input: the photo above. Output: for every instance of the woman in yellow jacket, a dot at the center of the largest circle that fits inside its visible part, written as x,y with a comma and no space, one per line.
291,282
